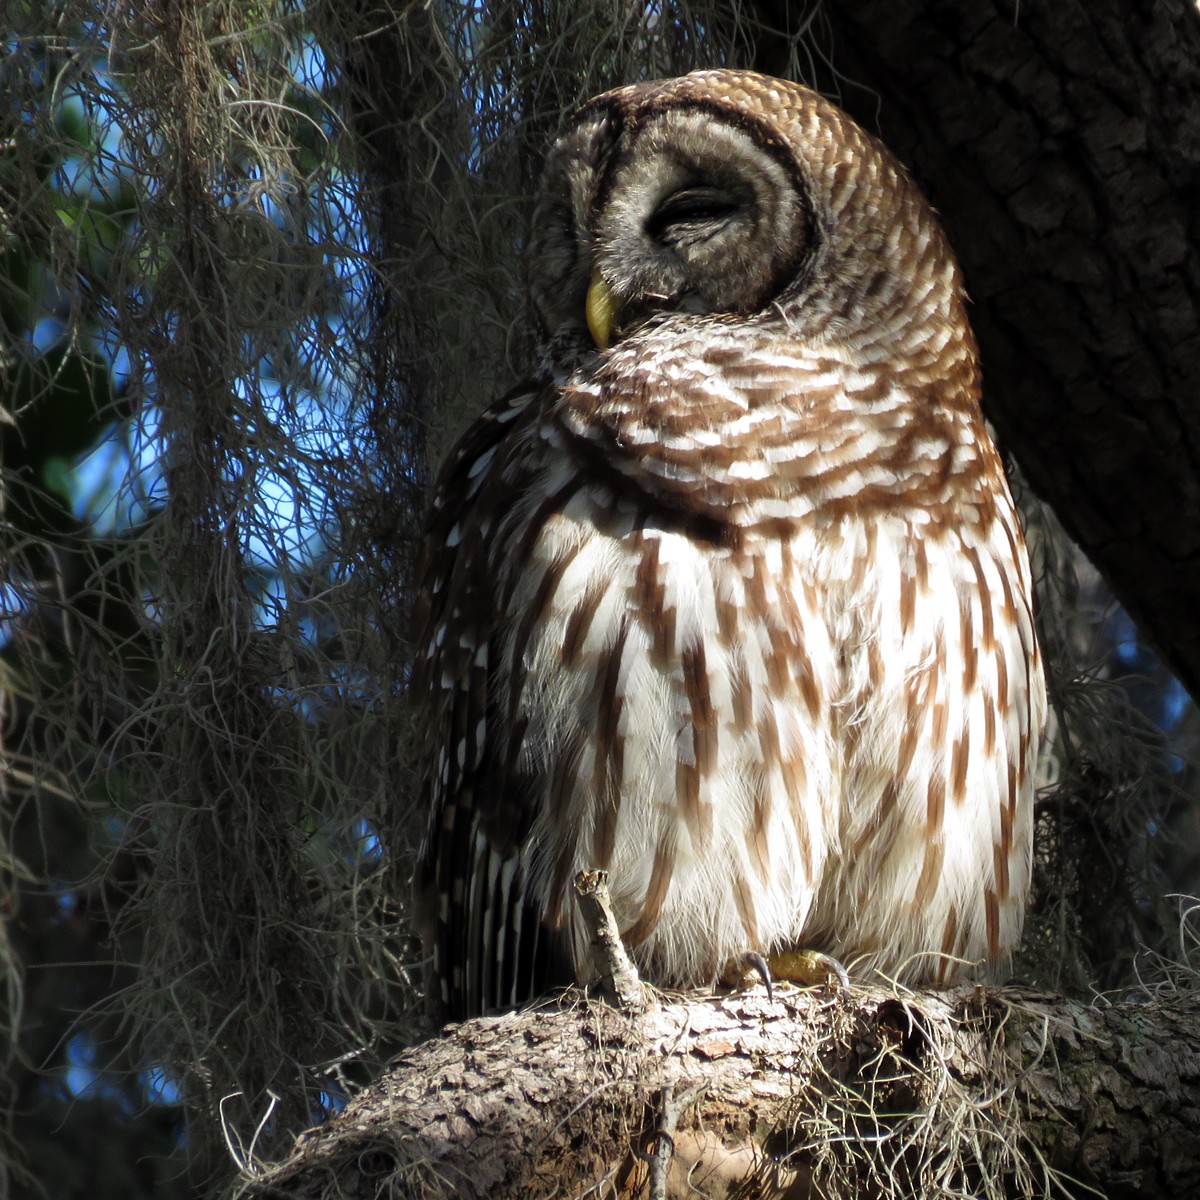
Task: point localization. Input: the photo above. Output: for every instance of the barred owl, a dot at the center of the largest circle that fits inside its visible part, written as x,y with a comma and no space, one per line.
731,599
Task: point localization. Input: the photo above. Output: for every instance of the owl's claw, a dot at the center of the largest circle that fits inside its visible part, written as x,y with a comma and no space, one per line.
755,962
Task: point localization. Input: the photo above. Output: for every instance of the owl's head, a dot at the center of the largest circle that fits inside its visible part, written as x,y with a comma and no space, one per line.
733,196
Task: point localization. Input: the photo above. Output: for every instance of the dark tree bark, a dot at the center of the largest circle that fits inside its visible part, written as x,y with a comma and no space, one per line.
803,1095
1061,143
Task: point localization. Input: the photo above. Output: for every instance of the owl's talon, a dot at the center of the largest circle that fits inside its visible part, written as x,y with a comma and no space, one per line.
736,973
759,965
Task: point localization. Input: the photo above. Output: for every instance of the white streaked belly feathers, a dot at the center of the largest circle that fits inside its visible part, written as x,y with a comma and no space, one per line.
790,725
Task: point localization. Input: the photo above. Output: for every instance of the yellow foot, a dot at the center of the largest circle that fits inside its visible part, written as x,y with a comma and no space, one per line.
808,968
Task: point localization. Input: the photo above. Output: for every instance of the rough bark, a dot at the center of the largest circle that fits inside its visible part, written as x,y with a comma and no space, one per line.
1061,143
801,1095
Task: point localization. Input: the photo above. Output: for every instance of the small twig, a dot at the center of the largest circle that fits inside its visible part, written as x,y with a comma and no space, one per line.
662,1146
618,975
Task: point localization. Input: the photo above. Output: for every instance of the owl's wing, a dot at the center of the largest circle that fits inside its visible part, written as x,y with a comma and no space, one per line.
488,945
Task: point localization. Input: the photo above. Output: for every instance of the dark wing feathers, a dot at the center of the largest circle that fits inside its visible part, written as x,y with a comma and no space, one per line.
488,947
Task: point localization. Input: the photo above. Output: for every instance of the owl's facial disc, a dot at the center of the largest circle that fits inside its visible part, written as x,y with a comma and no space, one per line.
657,211
697,214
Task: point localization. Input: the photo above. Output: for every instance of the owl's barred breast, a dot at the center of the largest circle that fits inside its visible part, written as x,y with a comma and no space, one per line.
756,434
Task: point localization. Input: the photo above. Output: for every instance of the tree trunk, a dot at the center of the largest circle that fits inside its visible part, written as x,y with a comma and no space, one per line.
1061,144
970,1092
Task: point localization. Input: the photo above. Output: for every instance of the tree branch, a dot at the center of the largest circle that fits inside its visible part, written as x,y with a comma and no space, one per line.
994,1093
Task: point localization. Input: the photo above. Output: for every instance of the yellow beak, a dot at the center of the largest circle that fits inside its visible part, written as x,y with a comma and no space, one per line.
601,310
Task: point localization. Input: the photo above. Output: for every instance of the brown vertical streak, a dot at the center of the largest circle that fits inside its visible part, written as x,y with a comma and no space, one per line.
886,809
989,726
871,550
607,800
936,800
1002,850
812,598
970,651
756,586
875,664
795,781
992,908
728,624
704,725
787,560
776,662
922,569
1029,664
1000,868
1008,611
935,807
741,695
661,873
958,767
941,718
609,764
563,780
931,872
805,840
662,645
908,602
882,815
688,797
608,704
806,681
580,621
1007,813
745,905
916,698
858,572
533,616
793,776
650,601
768,739
1012,534
756,831
1001,678
689,775
987,638
950,933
